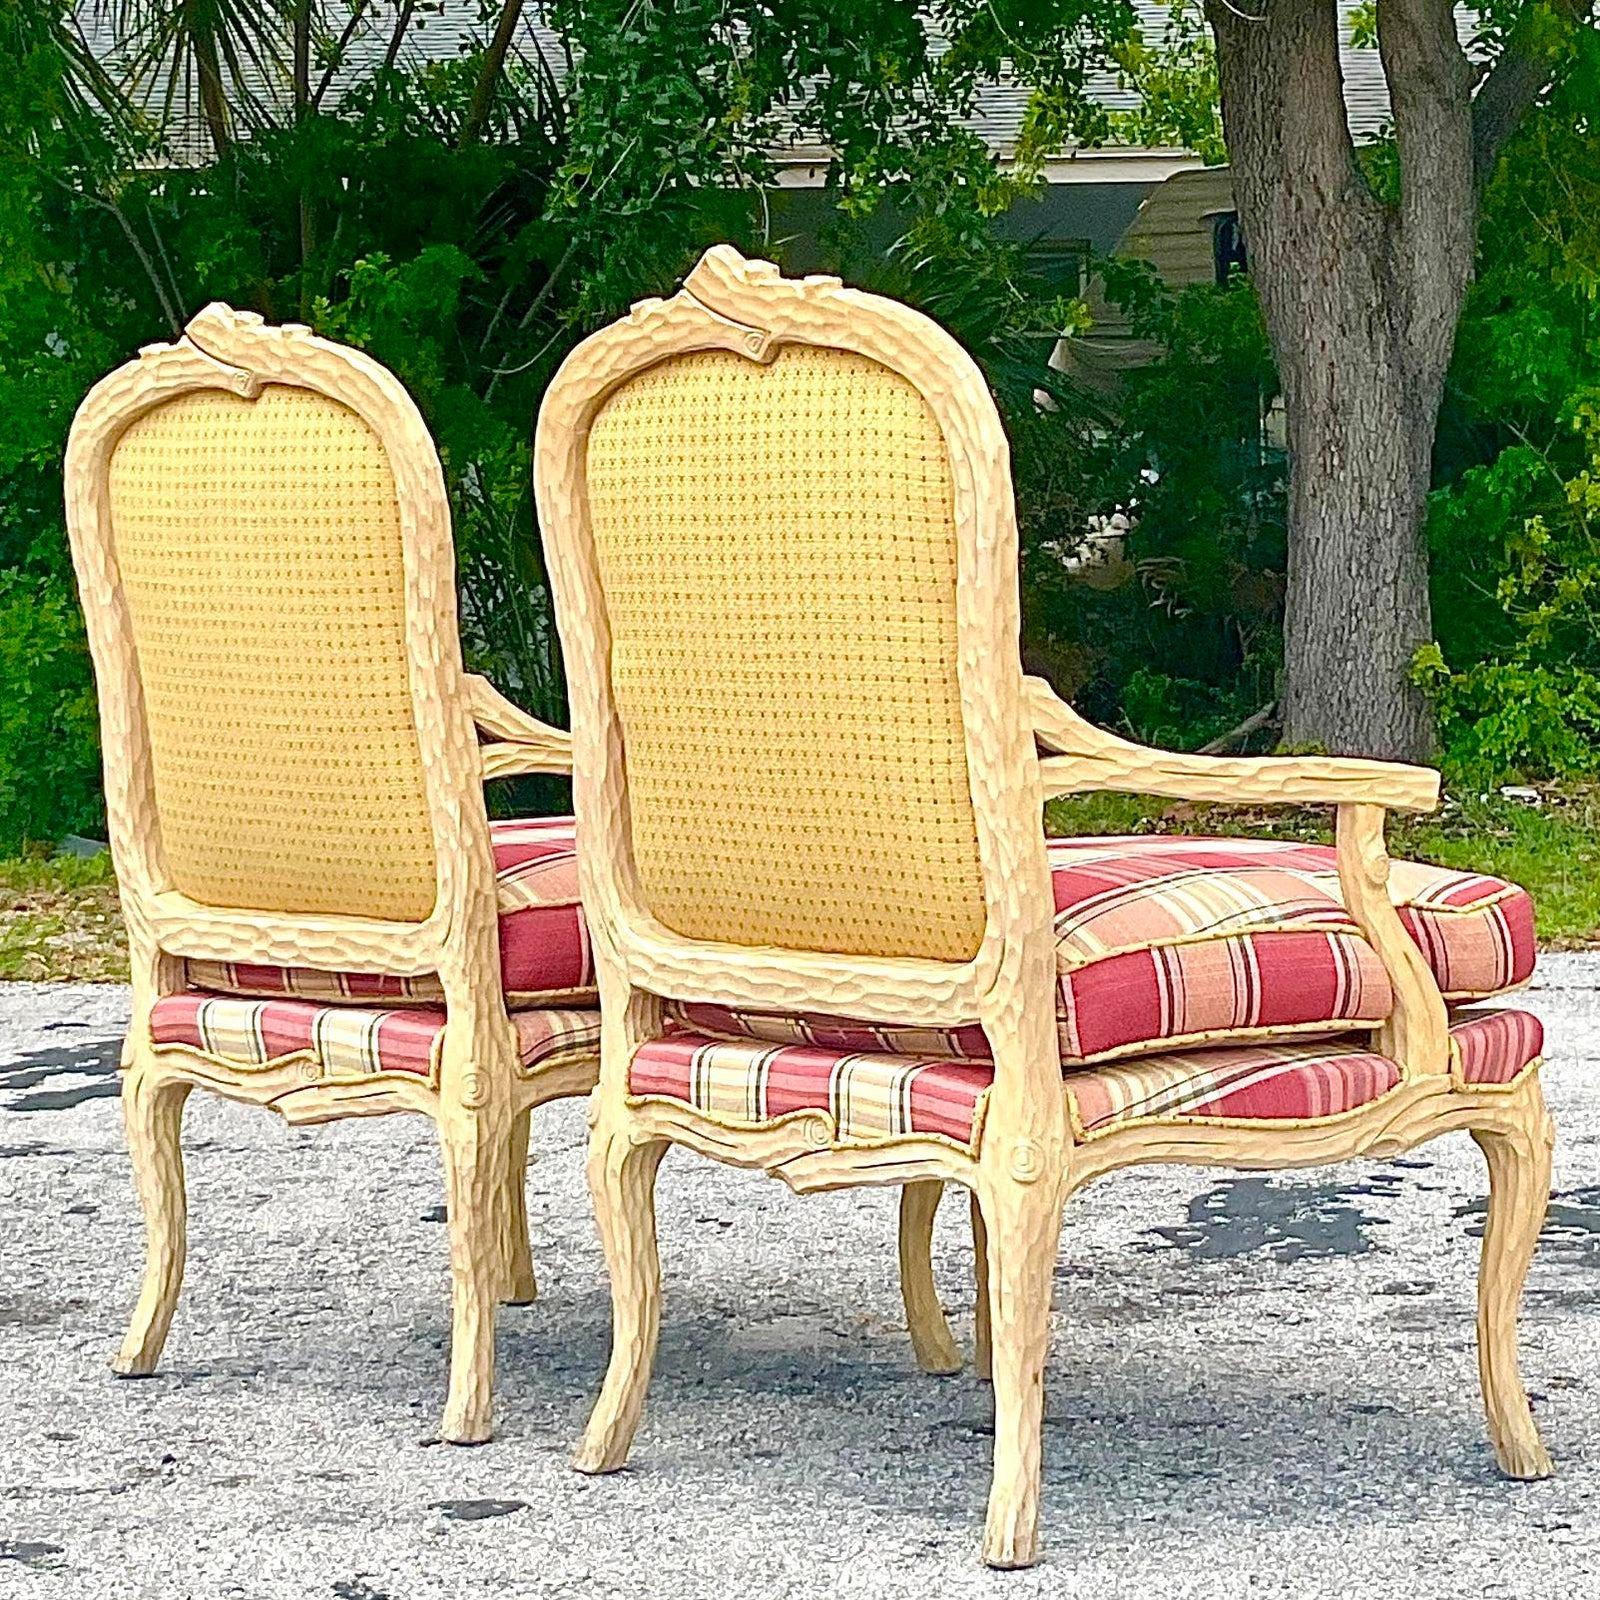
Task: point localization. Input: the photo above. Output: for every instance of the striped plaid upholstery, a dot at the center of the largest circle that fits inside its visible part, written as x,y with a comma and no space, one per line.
1494,1046
1161,940
544,945
349,1041
1254,1082
868,1096
1158,941
880,1095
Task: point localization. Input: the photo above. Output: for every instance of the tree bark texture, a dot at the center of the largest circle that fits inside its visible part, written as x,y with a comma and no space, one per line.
1361,296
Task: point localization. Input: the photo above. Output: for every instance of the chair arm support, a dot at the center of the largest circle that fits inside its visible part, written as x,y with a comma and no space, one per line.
1417,1035
1087,758
522,744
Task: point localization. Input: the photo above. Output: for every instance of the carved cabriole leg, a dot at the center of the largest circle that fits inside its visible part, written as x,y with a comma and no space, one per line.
1519,1190
475,1120
1024,1222
982,1342
152,1112
521,1288
623,1163
622,1180
1020,1185
474,1151
931,1338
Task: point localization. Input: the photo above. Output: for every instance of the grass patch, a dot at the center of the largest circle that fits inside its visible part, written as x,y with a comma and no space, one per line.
1552,849
60,921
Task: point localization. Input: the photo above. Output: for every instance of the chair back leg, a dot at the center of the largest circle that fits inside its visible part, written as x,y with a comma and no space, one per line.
982,1337
931,1338
521,1286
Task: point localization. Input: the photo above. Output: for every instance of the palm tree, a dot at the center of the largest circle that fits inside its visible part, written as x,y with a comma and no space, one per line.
228,56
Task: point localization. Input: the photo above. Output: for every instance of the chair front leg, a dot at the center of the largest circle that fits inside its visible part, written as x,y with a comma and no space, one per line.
931,1338
1518,1158
152,1112
476,1145
622,1182
982,1339
1022,1219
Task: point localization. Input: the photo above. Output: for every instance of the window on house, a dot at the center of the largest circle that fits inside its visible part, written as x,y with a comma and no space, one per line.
1228,254
1061,263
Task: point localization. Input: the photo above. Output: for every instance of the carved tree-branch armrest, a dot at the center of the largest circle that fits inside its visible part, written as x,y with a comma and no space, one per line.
1416,1036
1087,758
523,744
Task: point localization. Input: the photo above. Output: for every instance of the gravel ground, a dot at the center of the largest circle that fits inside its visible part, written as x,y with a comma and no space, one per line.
1258,1386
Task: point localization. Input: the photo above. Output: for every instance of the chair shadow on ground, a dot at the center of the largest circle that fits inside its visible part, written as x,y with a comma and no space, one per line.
1128,1431
1120,1446
93,1059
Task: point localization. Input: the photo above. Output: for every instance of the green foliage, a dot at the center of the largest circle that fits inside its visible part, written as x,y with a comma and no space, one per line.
25,874
1175,79
1363,20
470,252
1515,522
49,782
1176,638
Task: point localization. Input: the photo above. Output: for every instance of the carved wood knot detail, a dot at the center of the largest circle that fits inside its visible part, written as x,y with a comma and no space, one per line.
817,1131
1027,1160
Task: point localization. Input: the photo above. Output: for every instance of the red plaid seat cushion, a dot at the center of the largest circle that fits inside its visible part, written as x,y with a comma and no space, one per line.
1162,940
1158,940
346,1041
879,1096
544,946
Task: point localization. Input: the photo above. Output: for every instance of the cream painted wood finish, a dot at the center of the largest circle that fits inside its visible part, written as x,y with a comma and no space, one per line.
1022,745
480,1098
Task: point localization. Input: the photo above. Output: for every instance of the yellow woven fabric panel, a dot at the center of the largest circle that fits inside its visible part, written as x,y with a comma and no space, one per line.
260,551
777,549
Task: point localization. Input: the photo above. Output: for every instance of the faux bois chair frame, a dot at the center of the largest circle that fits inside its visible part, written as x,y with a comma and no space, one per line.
1025,1161
478,1096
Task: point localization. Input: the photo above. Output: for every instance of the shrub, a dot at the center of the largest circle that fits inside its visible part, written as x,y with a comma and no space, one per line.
49,749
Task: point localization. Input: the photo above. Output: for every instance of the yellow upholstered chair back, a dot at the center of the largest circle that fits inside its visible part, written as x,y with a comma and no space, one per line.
259,546
262,539
787,593
777,550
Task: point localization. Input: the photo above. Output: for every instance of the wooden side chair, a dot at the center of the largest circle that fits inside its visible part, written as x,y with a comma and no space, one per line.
830,940
321,919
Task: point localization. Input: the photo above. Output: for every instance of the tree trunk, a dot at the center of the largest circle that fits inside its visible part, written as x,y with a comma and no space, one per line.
213,100
1357,608
397,35
300,72
301,76
1361,298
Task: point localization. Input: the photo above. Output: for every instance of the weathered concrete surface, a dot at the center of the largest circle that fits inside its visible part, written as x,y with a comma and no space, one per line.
1257,1386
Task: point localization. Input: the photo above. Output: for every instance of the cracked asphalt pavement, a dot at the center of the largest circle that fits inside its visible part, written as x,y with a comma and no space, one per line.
1258,1386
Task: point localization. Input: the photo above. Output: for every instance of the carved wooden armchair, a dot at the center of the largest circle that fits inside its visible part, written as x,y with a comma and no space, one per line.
321,919
830,939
